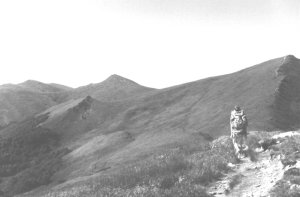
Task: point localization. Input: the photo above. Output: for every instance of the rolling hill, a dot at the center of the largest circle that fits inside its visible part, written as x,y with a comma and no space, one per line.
20,101
98,129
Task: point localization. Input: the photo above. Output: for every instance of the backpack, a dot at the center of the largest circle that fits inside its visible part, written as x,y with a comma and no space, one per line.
240,120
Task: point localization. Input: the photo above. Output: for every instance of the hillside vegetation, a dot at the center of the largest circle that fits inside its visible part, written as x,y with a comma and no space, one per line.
178,171
123,137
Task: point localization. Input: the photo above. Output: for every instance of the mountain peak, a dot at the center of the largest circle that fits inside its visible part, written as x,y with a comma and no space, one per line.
117,79
290,56
115,87
289,59
118,82
290,66
31,82
115,76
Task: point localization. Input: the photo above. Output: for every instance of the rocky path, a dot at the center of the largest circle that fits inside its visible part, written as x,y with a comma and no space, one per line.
249,179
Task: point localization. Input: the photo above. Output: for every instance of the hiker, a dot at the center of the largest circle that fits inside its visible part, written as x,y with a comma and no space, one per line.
238,125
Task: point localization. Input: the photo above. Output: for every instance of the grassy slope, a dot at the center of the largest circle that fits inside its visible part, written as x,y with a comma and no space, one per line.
56,129
266,91
177,114
178,171
107,136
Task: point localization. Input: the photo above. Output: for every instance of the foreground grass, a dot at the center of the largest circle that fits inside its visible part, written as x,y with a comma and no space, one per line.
182,171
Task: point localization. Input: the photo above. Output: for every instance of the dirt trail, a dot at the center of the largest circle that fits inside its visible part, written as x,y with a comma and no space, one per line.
252,179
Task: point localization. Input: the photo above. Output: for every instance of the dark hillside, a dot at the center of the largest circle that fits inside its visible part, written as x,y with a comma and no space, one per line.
28,156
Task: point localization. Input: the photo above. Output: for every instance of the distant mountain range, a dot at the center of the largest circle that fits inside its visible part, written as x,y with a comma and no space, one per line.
97,128
20,101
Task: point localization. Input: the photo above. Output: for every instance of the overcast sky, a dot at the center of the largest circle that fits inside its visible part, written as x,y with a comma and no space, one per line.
157,43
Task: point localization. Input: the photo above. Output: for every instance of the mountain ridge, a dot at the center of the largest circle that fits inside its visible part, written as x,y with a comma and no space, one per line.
113,88
117,121
22,103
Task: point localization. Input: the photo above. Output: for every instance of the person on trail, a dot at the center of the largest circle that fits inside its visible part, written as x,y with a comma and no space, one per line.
238,125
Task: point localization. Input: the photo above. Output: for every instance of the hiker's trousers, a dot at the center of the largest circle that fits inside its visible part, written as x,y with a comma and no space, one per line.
239,141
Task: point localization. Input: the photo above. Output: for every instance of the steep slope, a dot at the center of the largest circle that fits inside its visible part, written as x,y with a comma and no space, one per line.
75,117
112,89
269,93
